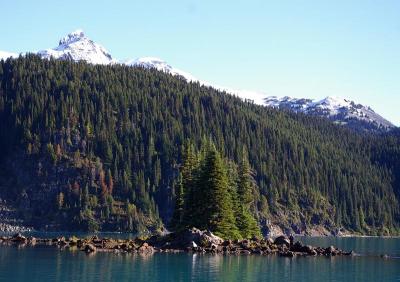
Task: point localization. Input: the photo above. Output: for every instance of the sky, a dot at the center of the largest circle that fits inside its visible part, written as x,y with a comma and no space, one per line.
312,49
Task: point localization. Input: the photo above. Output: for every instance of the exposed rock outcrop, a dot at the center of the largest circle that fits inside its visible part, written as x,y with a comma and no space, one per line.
190,240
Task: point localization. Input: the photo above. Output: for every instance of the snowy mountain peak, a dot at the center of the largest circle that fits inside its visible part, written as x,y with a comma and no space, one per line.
72,37
77,47
339,110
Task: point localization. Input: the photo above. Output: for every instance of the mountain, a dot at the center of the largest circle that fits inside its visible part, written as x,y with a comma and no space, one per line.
76,46
339,110
100,148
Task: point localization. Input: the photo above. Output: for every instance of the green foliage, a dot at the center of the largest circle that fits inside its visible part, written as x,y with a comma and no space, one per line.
245,187
178,216
51,153
134,121
216,208
210,200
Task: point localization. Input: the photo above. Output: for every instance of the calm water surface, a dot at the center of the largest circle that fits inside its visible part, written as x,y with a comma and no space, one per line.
50,264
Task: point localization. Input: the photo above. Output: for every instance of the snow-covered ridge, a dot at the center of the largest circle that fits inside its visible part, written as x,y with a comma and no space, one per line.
153,62
5,55
340,110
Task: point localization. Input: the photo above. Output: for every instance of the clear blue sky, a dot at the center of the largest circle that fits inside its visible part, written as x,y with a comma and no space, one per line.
296,48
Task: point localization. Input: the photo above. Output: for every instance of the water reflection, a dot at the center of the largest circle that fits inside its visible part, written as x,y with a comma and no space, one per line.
46,263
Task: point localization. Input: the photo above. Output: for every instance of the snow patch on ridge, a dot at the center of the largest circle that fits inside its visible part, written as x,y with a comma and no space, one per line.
161,65
5,55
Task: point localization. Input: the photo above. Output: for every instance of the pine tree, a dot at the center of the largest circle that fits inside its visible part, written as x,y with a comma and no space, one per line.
189,172
216,212
177,217
245,221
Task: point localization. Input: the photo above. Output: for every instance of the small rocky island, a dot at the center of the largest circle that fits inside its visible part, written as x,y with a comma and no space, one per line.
190,240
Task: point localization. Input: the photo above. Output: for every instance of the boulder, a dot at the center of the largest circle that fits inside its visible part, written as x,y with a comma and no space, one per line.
210,239
61,241
282,240
227,243
89,248
309,250
193,244
351,253
269,241
192,247
331,251
19,238
124,246
297,247
201,238
245,244
313,253
145,249
32,240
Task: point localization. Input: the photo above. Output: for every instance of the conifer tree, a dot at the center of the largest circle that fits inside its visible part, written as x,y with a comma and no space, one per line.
189,185
216,212
245,221
178,216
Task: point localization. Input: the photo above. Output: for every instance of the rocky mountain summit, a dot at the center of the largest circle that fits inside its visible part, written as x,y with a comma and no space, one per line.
77,47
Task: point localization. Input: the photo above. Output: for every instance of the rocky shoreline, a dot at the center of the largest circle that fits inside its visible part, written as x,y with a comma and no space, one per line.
190,240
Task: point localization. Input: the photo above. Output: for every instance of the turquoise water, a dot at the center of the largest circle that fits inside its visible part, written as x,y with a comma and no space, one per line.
51,264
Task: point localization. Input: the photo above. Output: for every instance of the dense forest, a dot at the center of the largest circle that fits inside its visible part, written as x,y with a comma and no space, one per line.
95,147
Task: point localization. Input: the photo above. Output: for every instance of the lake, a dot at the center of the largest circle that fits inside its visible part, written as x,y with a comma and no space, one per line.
51,264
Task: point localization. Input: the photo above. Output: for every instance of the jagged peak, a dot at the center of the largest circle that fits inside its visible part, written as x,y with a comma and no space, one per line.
76,46
72,37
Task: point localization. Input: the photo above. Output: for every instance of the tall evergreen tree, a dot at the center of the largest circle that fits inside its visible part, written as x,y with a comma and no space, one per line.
216,210
245,221
179,210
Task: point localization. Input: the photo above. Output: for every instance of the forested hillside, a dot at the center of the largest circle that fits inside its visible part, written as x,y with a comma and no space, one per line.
100,148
